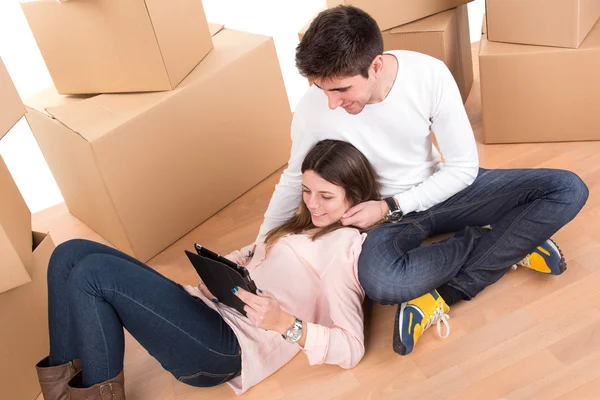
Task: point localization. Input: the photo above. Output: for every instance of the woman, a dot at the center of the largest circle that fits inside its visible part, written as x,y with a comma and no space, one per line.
308,293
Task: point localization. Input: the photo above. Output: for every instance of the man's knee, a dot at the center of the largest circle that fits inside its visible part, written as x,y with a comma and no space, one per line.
381,284
574,191
371,280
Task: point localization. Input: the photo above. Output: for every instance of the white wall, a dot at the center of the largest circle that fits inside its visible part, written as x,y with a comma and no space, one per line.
281,19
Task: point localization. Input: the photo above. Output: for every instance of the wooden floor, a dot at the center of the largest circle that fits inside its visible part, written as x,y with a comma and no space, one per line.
529,336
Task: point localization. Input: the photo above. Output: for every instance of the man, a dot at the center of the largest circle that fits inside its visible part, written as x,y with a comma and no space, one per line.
389,105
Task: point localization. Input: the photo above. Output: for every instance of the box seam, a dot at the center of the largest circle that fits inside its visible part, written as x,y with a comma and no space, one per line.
112,203
158,45
460,49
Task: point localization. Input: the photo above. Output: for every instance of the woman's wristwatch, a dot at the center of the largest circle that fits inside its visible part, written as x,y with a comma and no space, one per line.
294,332
395,214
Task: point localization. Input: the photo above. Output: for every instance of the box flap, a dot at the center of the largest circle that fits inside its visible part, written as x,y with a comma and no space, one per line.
215,28
96,116
11,107
182,33
435,23
589,12
15,235
12,270
49,98
24,333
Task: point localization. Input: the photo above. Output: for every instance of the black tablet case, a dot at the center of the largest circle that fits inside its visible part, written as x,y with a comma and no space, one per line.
220,277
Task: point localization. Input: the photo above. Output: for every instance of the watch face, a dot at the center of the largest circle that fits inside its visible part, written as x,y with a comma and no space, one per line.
293,335
395,216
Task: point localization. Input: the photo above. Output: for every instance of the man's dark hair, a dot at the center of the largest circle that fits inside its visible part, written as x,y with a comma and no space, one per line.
341,41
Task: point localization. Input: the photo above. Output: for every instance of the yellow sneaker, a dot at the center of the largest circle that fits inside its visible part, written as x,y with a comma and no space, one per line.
415,317
546,258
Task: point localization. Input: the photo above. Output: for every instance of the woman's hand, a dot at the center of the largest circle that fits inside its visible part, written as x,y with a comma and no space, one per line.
202,287
263,311
248,252
242,256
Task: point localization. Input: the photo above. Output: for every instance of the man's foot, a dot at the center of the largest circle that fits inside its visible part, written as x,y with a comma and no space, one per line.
546,258
415,316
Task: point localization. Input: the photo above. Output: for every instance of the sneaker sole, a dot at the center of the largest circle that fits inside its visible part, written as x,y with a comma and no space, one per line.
562,265
397,344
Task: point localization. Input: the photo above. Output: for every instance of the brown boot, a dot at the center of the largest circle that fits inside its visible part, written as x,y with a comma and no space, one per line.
53,380
112,389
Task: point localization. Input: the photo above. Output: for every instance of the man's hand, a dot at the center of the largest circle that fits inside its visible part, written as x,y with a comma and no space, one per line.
264,312
365,215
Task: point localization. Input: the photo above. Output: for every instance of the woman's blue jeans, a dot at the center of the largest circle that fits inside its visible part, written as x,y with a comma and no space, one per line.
95,291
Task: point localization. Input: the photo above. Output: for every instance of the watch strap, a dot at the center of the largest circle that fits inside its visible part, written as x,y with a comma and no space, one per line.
391,204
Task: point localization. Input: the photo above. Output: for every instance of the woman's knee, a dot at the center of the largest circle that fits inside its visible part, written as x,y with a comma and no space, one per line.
70,251
63,259
91,273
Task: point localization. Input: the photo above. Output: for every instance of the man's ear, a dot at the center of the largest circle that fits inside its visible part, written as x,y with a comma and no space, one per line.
377,65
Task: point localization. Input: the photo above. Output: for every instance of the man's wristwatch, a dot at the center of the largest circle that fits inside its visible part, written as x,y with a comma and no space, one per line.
294,333
395,214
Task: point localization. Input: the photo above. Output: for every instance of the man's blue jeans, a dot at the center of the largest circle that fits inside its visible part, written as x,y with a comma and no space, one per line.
524,207
95,291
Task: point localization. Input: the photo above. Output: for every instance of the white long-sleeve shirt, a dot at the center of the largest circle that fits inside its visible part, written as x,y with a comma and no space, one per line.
396,137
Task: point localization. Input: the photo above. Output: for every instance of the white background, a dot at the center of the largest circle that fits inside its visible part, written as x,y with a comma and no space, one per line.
281,19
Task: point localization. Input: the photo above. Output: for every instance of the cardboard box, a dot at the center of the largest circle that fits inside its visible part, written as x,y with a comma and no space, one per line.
24,321
11,107
540,94
15,234
392,13
142,170
444,36
24,261
307,25
15,218
558,23
106,46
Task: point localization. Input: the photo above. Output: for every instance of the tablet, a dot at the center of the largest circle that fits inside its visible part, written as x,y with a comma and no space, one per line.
220,275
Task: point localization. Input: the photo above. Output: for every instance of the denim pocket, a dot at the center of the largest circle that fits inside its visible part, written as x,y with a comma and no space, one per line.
206,379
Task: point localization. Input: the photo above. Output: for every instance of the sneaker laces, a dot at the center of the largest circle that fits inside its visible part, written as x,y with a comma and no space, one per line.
523,263
439,317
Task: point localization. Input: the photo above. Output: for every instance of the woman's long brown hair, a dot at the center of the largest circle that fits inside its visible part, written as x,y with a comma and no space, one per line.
343,165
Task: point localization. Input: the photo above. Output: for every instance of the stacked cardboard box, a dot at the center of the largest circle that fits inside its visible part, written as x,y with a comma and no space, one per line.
439,28
110,46
539,64
143,169
393,13
24,259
